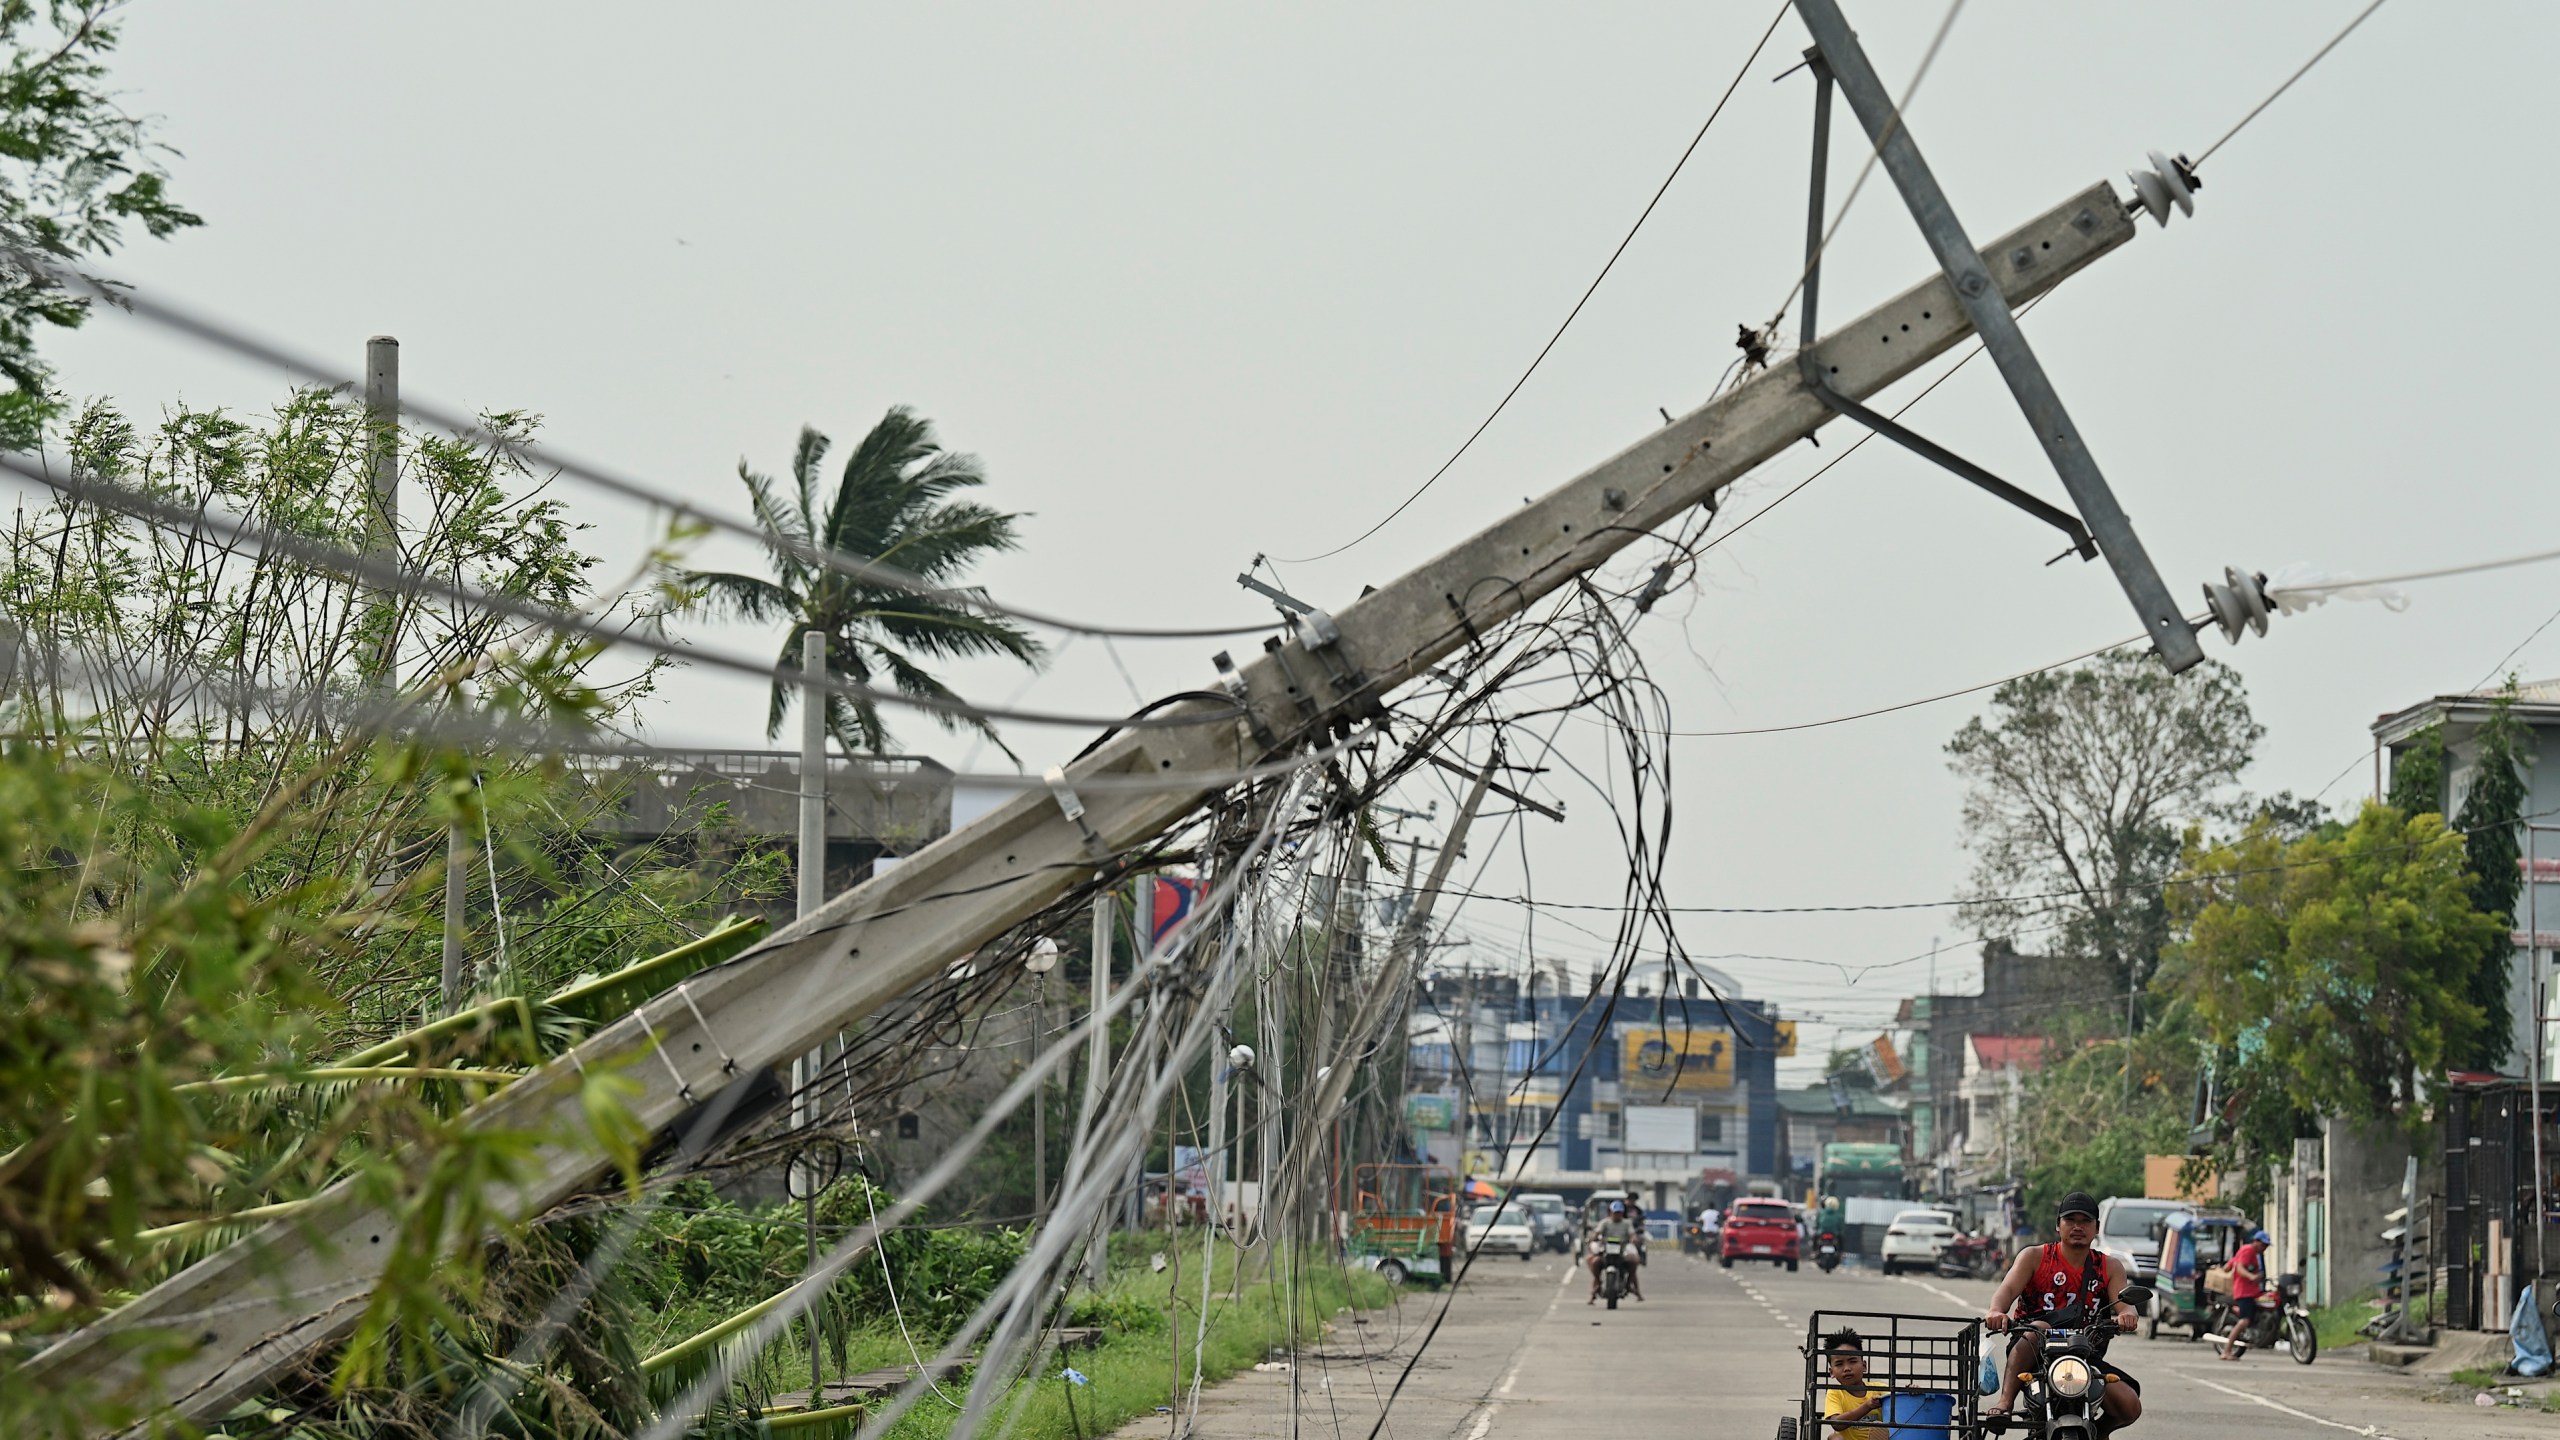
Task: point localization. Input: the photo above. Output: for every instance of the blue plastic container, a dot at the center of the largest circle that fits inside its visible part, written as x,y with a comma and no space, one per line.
1905,1411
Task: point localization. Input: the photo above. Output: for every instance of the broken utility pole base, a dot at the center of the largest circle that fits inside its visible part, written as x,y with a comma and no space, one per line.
238,1319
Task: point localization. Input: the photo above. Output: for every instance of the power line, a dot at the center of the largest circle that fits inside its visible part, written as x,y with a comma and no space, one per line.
2316,57
389,576
222,336
1874,153
1909,704
1588,291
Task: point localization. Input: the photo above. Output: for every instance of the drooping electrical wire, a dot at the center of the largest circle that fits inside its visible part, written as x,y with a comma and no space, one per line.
1587,292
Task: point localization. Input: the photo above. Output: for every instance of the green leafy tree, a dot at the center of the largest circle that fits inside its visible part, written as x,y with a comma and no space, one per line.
2492,813
79,170
2077,788
892,503
2335,968
2417,774
2100,1103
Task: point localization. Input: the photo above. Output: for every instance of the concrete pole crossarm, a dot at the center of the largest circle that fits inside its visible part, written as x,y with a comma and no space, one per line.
1973,279
250,1311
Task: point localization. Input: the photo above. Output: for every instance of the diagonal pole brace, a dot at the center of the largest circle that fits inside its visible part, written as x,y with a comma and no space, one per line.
1986,305
1809,363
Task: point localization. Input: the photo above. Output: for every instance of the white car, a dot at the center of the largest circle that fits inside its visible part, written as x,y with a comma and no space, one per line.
1915,1237
1501,1230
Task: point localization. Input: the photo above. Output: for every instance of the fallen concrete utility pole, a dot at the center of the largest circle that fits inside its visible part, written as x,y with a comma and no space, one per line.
246,1314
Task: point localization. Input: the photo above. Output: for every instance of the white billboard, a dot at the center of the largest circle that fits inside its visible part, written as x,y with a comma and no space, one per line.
1661,1130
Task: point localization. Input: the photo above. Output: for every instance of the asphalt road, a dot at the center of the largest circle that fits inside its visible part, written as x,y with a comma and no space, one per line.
1714,1353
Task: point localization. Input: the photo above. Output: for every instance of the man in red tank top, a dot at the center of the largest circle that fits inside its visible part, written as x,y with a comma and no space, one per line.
2052,1277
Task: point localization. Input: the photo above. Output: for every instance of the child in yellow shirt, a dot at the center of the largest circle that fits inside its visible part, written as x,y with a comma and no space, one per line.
1847,1403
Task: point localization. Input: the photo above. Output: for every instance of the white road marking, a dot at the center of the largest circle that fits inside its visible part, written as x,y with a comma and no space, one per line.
1941,1294
1511,1377
2287,1409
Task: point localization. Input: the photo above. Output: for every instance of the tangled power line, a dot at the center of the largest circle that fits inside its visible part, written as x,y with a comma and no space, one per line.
1280,844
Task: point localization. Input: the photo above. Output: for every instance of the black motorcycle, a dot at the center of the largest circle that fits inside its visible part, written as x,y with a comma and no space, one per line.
1826,1251
1617,1263
2066,1398
2281,1314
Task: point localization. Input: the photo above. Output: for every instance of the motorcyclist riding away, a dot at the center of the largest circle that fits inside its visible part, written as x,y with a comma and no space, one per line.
2053,1277
1619,1228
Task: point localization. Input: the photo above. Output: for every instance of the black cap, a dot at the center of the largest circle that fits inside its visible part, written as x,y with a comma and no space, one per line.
2078,1202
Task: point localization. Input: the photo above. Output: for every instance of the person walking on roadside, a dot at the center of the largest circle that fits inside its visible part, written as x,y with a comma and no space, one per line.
2248,1287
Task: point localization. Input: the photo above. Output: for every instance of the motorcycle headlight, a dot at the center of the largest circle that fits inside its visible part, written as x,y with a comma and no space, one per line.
2071,1377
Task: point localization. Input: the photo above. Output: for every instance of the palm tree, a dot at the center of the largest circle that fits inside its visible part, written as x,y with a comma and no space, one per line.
892,505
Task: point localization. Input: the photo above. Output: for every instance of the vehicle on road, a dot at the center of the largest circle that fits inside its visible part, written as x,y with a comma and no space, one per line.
1974,1257
1759,1230
1615,1262
1826,1251
1404,1222
2131,1230
1926,1365
1866,1184
2066,1397
2194,1243
1914,1238
1503,1229
1550,1219
2281,1316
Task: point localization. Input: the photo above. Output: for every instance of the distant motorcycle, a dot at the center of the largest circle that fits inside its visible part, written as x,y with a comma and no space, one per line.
2279,1314
1972,1257
1616,1262
1826,1251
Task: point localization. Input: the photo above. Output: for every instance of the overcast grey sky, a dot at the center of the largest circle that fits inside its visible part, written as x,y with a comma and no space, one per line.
1201,282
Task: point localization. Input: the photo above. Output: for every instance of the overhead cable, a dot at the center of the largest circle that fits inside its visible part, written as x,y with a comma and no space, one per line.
2316,57
390,576
172,316
1588,291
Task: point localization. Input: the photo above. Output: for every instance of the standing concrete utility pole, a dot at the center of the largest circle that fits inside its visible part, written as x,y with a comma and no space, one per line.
806,1071
1987,307
455,983
382,410
1097,1071
255,1309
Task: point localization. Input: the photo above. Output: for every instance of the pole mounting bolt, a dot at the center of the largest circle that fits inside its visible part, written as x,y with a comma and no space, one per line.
2168,182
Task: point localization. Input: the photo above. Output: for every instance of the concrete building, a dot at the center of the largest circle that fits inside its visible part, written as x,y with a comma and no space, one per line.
1668,1091
2538,903
2020,994
877,806
1845,1109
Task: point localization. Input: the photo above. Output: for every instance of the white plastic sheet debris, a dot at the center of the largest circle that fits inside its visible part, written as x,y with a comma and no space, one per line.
2299,587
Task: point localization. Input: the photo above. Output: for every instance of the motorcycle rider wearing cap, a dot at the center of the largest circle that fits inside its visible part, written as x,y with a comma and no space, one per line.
2051,1277
2248,1286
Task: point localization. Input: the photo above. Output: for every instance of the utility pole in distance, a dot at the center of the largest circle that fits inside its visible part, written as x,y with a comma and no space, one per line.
806,1070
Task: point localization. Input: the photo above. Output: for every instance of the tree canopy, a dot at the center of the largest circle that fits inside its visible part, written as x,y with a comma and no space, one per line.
2077,788
2336,969
894,502
75,169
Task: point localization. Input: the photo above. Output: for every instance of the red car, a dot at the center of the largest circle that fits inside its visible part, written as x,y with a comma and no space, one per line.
1760,1230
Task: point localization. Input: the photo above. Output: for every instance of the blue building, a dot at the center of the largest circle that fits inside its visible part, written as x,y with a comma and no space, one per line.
1668,1088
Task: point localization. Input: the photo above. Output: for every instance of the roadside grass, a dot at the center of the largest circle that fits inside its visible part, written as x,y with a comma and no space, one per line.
2343,1324
1150,1321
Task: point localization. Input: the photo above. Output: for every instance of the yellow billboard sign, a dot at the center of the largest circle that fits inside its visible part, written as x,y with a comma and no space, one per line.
1674,1062
1786,1038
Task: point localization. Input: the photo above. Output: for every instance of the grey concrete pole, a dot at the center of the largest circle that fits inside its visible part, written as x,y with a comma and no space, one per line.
382,410
455,982
1097,1064
806,1070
